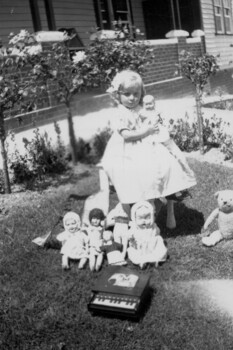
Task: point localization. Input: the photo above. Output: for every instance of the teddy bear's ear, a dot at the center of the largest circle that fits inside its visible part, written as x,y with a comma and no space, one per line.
216,194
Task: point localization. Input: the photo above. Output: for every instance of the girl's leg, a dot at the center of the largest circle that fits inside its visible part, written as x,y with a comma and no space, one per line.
171,221
99,261
126,208
65,262
92,262
82,263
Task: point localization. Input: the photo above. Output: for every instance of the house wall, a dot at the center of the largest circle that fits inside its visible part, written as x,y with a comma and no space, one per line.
138,16
162,78
216,44
14,16
75,14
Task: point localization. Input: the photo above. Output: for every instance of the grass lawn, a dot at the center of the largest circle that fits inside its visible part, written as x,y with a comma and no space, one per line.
45,308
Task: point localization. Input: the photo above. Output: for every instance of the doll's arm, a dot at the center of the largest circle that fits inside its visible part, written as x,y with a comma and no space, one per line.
211,217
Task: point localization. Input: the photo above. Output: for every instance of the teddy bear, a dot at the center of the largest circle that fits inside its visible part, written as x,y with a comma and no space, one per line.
224,214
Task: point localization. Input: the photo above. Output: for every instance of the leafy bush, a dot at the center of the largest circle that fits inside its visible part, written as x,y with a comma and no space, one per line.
40,158
91,152
185,134
104,58
83,150
99,143
198,69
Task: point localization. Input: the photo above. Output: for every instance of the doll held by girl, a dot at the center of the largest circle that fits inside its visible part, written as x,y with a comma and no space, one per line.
149,115
145,243
95,231
137,169
74,241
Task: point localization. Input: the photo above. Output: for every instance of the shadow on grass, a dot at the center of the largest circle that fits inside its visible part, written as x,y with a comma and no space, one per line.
189,221
52,180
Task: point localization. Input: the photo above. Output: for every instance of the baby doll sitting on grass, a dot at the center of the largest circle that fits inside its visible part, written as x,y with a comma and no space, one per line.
72,242
145,243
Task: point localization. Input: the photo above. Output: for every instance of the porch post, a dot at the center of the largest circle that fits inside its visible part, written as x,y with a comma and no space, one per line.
178,13
173,14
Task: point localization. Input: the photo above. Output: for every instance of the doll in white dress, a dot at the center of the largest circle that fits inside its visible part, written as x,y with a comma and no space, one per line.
74,241
145,242
149,115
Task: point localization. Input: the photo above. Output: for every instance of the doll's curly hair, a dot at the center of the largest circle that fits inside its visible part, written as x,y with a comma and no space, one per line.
120,79
96,213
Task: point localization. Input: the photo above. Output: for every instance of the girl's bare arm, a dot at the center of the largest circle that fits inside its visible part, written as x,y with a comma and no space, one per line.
136,135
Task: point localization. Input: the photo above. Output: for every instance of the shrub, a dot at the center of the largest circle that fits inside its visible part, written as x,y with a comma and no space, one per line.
198,69
185,134
83,150
40,158
99,143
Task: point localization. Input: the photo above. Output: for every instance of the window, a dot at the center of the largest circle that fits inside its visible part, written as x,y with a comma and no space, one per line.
109,12
223,16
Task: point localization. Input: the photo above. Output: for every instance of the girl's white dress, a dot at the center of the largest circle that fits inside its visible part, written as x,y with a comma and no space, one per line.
146,245
75,246
140,170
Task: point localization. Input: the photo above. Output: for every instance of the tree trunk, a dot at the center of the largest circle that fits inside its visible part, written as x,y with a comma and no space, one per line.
4,155
71,135
199,118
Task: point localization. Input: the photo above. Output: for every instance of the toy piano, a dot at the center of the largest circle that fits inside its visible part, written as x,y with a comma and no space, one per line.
120,292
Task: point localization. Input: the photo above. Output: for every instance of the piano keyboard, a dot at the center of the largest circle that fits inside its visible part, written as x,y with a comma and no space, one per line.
120,292
115,301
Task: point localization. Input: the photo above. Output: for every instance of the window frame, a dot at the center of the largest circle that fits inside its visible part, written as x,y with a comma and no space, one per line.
109,10
36,15
220,8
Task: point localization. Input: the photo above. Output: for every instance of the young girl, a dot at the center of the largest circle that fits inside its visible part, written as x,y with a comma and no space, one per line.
95,236
137,169
145,243
74,242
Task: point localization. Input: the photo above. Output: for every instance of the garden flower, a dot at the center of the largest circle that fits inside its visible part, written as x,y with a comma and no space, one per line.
79,57
33,50
19,37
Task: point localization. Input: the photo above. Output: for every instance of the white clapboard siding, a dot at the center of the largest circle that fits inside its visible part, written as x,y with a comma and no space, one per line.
75,14
216,44
14,16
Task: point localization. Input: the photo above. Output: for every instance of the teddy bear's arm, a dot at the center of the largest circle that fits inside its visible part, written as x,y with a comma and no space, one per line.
211,217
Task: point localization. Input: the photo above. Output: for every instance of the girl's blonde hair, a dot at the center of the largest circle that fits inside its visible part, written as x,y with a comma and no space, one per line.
120,79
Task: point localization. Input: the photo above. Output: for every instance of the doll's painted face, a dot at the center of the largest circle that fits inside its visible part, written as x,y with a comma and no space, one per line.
71,225
130,94
96,222
107,236
149,103
143,218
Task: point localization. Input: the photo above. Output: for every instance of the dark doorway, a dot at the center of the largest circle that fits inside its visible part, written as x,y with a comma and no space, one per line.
161,16
158,18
